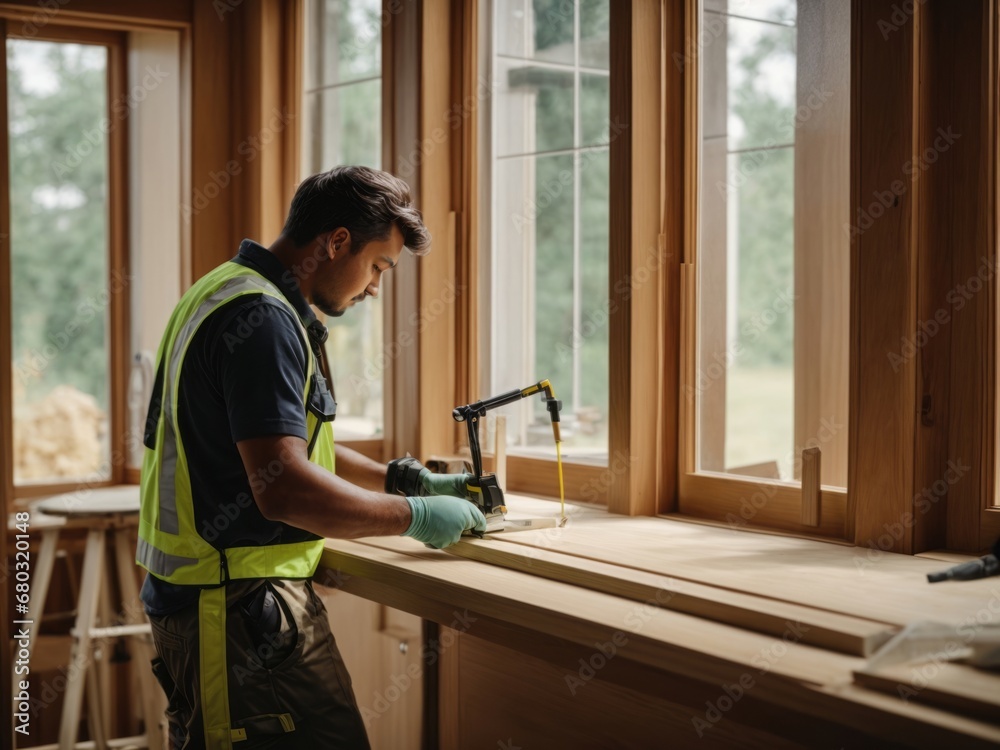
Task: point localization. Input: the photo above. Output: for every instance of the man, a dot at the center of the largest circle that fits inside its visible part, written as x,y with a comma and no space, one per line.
239,484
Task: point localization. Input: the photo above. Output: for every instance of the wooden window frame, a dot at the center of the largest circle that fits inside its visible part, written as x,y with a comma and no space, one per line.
119,359
653,171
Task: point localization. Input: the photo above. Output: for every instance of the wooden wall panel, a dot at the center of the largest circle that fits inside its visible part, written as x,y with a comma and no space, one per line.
883,280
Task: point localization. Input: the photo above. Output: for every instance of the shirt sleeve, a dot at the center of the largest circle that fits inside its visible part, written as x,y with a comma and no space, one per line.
260,359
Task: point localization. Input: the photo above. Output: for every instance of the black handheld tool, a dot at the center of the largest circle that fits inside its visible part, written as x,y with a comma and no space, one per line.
484,487
984,567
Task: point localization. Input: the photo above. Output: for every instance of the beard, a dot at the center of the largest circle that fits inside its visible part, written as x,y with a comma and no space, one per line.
328,307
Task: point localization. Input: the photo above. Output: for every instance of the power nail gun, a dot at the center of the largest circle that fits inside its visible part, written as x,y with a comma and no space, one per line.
484,488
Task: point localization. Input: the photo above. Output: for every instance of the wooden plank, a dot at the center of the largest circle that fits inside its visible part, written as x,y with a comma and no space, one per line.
957,687
848,635
662,638
883,277
811,472
636,267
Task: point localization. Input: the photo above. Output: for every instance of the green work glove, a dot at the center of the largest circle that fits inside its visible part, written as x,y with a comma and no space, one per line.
438,521
443,484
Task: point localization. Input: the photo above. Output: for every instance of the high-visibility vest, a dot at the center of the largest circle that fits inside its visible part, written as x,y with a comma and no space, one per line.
170,546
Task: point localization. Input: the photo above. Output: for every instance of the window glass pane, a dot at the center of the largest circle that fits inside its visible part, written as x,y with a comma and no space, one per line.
773,257
761,83
776,11
344,126
351,31
549,219
536,29
535,108
594,27
61,285
595,109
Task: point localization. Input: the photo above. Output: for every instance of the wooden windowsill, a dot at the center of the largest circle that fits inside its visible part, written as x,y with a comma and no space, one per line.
797,614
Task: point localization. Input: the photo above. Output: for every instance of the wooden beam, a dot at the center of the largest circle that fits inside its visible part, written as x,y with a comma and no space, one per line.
636,256
104,13
207,208
401,66
437,271
883,278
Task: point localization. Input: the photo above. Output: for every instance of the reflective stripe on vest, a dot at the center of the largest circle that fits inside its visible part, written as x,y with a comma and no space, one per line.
170,546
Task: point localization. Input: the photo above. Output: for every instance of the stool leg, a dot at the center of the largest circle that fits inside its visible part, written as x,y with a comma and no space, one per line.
40,580
153,700
80,655
94,717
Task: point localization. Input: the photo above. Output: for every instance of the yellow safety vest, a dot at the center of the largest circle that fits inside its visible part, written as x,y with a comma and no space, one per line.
170,546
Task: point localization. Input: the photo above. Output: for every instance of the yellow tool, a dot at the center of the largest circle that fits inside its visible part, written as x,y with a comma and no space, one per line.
485,488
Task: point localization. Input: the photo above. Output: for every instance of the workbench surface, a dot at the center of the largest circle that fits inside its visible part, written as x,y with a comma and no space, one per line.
699,603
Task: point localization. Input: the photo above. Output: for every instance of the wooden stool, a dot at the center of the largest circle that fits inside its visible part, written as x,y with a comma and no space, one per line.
105,512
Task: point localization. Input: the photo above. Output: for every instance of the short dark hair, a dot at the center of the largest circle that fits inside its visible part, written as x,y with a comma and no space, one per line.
366,202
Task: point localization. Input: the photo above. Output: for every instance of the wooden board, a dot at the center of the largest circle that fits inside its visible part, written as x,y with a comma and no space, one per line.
849,635
957,687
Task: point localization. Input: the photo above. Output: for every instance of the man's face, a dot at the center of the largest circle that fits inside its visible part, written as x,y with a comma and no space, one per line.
346,277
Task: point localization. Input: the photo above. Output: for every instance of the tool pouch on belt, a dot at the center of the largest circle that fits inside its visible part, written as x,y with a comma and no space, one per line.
263,617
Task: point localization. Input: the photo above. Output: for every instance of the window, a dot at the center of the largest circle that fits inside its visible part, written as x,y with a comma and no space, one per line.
546,218
343,122
773,250
69,281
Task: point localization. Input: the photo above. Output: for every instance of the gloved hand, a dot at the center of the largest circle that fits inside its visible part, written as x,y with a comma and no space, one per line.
438,521
407,476
443,484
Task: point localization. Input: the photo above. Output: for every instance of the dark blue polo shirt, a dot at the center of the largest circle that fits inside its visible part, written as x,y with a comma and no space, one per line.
243,377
